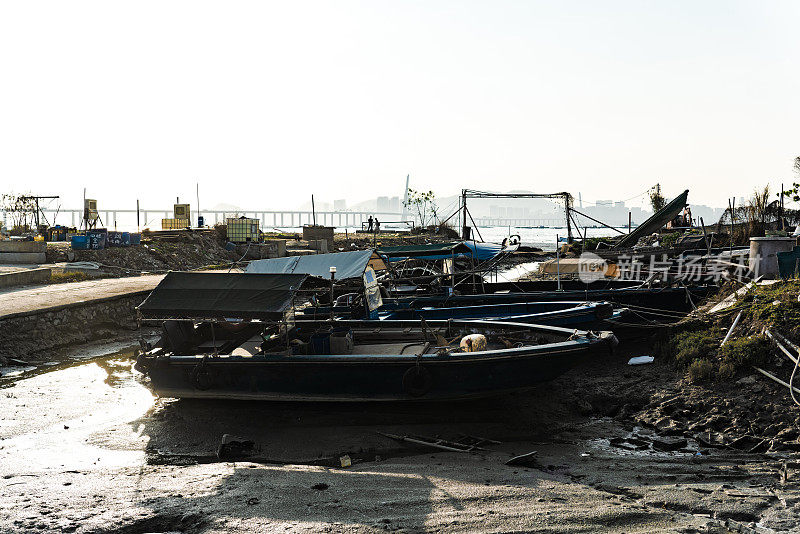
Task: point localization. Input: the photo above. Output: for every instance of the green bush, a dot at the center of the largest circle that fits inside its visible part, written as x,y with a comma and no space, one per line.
669,240
700,371
691,346
742,353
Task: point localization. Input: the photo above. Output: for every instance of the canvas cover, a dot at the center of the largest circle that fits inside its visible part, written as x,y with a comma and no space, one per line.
348,264
192,295
434,251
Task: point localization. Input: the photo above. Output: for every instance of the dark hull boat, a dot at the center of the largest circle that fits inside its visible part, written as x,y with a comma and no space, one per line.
369,361
642,306
647,303
581,315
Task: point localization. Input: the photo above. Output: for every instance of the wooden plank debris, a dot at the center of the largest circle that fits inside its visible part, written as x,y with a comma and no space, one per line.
775,378
523,459
435,443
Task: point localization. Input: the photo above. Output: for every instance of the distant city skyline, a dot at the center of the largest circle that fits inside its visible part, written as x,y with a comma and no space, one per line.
265,103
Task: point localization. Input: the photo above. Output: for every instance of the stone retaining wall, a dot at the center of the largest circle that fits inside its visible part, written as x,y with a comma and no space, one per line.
18,251
31,336
25,277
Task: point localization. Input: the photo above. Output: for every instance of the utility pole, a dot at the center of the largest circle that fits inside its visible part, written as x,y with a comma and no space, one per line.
405,200
731,204
558,265
464,207
567,202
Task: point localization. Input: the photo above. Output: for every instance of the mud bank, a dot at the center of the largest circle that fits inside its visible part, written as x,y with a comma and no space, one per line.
42,333
108,457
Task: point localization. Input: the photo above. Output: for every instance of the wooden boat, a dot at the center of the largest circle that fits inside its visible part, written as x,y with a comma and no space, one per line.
389,361
233,336
582,315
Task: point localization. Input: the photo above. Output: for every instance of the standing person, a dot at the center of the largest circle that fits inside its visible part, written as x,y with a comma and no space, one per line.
377,225
369,224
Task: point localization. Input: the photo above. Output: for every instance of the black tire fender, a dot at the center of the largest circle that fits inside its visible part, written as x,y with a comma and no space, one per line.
201,377
417,381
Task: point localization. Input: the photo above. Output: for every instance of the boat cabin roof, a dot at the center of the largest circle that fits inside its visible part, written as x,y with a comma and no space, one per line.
196,295
433,251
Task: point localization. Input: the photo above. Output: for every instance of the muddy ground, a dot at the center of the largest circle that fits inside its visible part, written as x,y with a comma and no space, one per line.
155,254
204,249
84,447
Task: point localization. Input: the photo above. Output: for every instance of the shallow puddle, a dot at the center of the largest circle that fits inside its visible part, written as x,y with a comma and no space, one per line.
72,415
98,352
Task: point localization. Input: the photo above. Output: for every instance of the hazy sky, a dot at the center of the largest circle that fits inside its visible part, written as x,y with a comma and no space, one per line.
264,103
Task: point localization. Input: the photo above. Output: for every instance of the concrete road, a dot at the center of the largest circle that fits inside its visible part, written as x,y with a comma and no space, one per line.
32,298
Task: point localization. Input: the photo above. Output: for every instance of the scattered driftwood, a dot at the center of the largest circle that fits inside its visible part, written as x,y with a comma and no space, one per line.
668,444
526,460
787,342
631,443
466,445
731,299
775,378
466,439
780,345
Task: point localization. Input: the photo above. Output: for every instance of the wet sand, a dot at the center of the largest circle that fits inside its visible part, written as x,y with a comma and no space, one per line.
87,448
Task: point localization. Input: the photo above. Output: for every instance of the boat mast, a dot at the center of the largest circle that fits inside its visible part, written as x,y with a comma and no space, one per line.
405,200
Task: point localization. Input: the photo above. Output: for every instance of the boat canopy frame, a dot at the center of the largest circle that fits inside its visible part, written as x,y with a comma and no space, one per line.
464,215
210,297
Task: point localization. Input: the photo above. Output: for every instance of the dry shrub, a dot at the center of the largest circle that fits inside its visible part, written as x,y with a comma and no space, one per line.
77,276
700,371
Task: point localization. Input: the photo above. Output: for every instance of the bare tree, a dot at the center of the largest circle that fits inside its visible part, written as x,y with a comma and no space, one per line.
21,209
424,204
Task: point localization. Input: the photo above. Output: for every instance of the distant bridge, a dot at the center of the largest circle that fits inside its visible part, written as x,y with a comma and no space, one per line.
268,218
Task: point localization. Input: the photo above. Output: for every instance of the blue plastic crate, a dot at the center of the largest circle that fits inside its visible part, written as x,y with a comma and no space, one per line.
79,242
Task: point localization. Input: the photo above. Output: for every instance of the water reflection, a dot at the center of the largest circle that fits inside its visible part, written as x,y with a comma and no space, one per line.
111,358
73,415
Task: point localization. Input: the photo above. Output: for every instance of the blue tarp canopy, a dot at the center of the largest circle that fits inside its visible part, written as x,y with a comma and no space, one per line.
484,251
348,264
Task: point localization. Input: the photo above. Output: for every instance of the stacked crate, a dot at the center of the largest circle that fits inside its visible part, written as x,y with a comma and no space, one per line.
174,224
242,230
